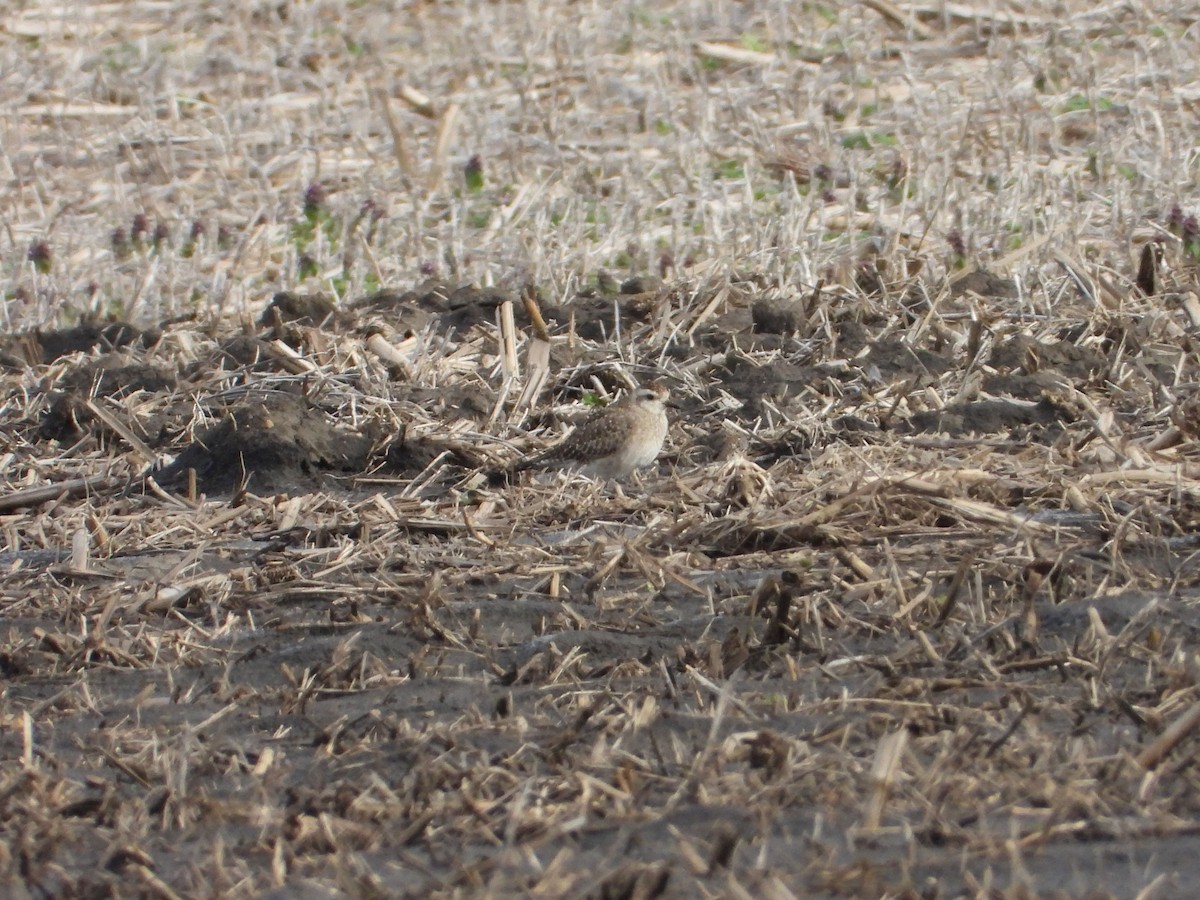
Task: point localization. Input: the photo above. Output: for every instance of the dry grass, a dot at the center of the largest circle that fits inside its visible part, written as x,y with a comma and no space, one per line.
909,608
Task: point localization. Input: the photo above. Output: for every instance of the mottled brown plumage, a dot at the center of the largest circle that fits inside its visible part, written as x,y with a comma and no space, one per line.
611,444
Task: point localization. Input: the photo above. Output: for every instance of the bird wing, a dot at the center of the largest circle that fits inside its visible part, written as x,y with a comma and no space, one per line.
602,435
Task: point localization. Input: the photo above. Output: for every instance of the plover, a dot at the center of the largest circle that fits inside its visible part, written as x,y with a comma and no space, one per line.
611,444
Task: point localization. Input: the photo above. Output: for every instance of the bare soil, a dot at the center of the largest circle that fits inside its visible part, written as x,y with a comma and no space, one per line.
907,607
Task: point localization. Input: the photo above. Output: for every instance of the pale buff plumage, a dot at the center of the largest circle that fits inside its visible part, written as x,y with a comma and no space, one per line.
615,441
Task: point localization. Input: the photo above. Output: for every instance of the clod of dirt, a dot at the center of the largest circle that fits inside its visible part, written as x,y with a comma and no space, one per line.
869,280
587,373
1023,387
781,381
456,308
245,352
465,401
596,315
298,309
852,336
1071,621
737,317
241,350
777,382
36,347
718,444
641,284
790,444
1023,352
635,881
409,456
985,284
1185,415
893,358
601,311
777,315
986,417
272,442
854,425
113,375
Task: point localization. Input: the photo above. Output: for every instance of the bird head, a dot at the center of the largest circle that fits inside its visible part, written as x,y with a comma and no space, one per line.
652,393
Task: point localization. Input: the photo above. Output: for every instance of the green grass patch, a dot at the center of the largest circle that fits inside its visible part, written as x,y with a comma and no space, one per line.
729,168
865,140
1079,103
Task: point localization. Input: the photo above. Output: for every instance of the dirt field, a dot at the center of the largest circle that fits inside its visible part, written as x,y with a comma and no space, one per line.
909,604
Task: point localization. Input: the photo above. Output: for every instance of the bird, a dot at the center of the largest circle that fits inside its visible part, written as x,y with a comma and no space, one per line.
620,438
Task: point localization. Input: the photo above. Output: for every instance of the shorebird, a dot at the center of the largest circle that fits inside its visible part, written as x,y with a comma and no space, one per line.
611,444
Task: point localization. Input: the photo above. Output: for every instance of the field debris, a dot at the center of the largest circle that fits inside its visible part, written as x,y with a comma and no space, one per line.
905,606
